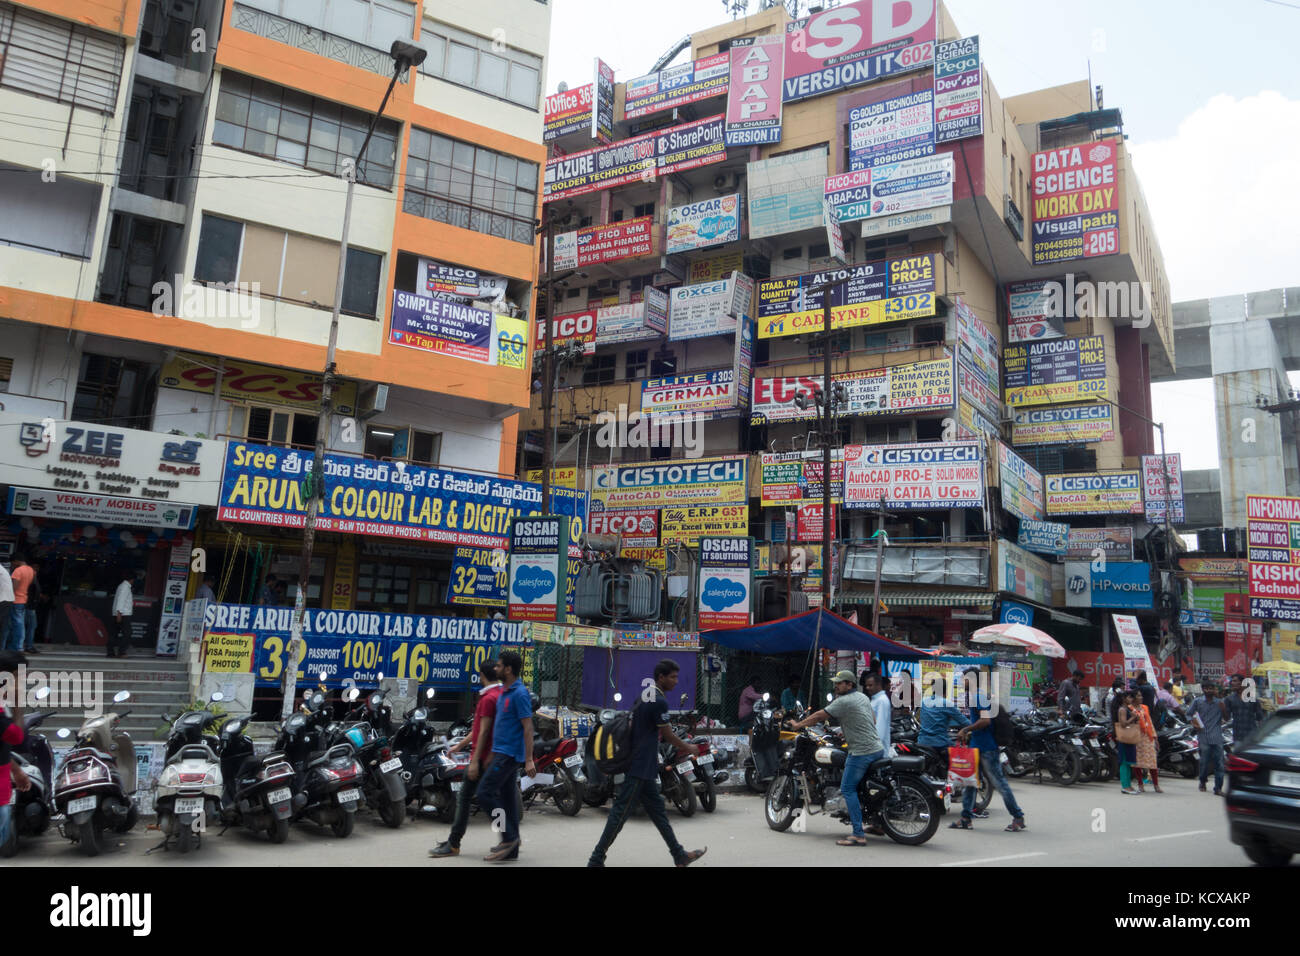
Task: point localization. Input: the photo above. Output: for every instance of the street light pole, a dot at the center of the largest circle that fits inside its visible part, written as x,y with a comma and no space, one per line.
405,56
548,360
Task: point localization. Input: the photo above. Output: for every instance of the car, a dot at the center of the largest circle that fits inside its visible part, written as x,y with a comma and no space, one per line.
1263,796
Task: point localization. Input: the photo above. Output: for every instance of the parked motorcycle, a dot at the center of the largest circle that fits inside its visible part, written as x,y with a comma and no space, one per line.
705,763
1043,746
415,743
257,791
30,816
764,746
94,784
1178,750
330,776
895,793
188,796
559,759
677,779
382,783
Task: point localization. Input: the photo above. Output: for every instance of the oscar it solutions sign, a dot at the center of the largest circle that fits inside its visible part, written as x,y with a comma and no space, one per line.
726,581
538,553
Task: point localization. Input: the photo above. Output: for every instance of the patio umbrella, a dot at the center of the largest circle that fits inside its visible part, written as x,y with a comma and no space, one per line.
1020,635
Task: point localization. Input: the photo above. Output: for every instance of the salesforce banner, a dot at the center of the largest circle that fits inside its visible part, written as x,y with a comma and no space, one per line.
1122,584
725,582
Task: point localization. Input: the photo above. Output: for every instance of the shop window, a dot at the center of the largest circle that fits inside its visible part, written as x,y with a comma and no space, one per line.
115,391
599,370
637,361
274,426
379,442
384,585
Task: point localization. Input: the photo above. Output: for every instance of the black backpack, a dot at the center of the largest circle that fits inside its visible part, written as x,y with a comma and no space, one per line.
611,743
1004,731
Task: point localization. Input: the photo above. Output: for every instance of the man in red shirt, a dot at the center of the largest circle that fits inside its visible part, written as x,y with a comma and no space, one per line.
480,743
11,735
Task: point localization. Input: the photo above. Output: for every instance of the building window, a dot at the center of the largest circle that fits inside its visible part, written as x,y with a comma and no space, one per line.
287,265
57,218
407,444
426,447
292,127
664,363
384,584
819,250
6,373
373,23
58,60
114,391
599,370
274,426
645,209
478,63
471,187
637,360
928,334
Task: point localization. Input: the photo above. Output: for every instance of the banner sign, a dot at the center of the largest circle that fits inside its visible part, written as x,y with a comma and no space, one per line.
1122,584
538,554
1045,537
797,476
1024,574
442,326
634,322
958,90
440,281
1062,425
754,101
570,327
478,577
857,43
700,481
1162,485
690,145
973,424
1056,370
250,382
1095,493
627,161
786,193
709,308
1115,543
265,485
705,223
85,506
1028,304
593,244
677,85
1213,569
892,130
980,346
725,582
358,645
877,391
1273,534
974,389
567,112
914,476
892,188
885,291
1075,194
1136,655
688,524
1022,486
716,267
808,521
602,115
693,392
638,526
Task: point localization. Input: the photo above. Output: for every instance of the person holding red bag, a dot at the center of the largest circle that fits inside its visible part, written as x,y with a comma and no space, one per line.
979,735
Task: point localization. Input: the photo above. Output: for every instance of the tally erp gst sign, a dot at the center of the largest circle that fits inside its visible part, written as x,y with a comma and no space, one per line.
677,86
702,481
1094,493
1056,370
754,96
924,475
1075,194
856,43
725,582
1062,425
1273,531
705,223
892,130
538,559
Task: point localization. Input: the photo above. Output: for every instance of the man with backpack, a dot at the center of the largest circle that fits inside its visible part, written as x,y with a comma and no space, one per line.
636,756
989,727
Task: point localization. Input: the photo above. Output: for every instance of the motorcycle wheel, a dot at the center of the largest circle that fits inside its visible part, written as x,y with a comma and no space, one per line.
569,800
90,837
684,797
1188,770
907,816
1068,762
709,795
779,803
184,839
342,827
278,831
752,781
392,812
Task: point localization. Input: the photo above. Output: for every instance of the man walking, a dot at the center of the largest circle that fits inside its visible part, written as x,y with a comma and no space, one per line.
1207,713
480,743
641,780
852,710
123,607
6,606
881,708
21,579
1245,714
1069,696
512,746
979,734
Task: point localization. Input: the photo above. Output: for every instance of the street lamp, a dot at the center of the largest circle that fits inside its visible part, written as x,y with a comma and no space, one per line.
405,56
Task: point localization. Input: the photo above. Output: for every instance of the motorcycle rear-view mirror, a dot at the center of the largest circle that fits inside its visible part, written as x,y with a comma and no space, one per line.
766,695
121,695
428,694
379,676
43,693
323,676
352,694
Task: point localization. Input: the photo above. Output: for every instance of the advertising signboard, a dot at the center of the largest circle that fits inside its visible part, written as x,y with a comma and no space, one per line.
1028,308
709,308
914,476
638,526
958,90
1122,584
1062,425
595,244
754,93
693,392
892,188
478,577
440,281
690,145
1045,537
708,222
786,192
1273,535
891,130
699,481
1075,194
797,476
1162,487
677,85
1094,493
686,525
1086,543
443,326
884,291
877,391
725,582
1024,574
567,112
602,114
1022,486
603,167
1056,370
538,556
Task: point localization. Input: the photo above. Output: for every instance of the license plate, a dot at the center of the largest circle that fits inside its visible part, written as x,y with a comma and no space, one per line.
189,804
572,760
283,795
1094,742
455,786
81,804
706,759
1077,741
685,767
390,765
947,801
349,796
1289,781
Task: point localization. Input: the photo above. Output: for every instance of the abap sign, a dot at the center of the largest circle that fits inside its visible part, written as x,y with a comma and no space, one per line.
857,43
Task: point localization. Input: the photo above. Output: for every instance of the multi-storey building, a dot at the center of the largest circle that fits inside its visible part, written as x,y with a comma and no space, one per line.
172,192
941,336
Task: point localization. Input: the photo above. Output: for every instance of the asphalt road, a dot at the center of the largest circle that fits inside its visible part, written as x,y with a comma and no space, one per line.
1084,825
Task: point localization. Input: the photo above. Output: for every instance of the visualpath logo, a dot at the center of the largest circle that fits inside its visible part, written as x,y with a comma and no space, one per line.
626,429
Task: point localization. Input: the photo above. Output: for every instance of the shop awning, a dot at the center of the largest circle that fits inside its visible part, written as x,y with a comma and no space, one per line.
1069,618
823,629
921,597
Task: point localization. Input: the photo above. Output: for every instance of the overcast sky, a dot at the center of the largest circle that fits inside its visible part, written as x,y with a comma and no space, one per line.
1210,95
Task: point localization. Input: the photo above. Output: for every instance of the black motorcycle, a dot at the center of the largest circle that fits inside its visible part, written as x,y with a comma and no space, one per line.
329,775
895,793
1039,746
764,759
368,729
257,790
415,743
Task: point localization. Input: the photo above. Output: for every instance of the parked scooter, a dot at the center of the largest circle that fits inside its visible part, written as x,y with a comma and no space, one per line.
31,808
705,762
257,790
764,760
330,777
188,798
415,743
382,783
94,784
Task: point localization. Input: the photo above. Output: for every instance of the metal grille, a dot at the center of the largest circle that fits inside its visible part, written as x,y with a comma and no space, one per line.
58,60
312,40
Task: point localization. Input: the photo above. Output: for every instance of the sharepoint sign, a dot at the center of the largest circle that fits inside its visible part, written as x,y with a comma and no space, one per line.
1122,584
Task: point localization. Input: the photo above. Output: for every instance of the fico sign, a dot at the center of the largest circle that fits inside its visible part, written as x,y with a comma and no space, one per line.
573,327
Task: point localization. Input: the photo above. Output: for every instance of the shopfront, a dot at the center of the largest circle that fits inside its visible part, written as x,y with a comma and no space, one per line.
87,504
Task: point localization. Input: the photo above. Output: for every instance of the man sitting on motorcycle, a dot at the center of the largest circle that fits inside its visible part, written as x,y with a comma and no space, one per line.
853,711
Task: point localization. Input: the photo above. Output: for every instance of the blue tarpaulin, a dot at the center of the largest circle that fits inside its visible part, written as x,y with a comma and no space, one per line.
828,631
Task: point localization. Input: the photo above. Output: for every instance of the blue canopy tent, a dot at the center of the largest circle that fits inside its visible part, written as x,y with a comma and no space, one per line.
813,630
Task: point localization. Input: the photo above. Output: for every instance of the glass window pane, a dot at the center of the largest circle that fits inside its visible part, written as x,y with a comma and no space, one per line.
526,176
485,164
361,282
264,117
460,64
419,143
413,204
463,156
324,133
437,47
235,83
288,151
325,109
350,140
228,134
218,253
507,169
461,183
293,126
417,171
232,109
491,74
265,92
440,149
297,101
482,196
324,160
524,85
263,143
439,179
382,149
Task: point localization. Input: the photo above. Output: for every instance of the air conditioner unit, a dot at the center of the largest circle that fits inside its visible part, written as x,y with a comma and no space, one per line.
726,182
372,401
